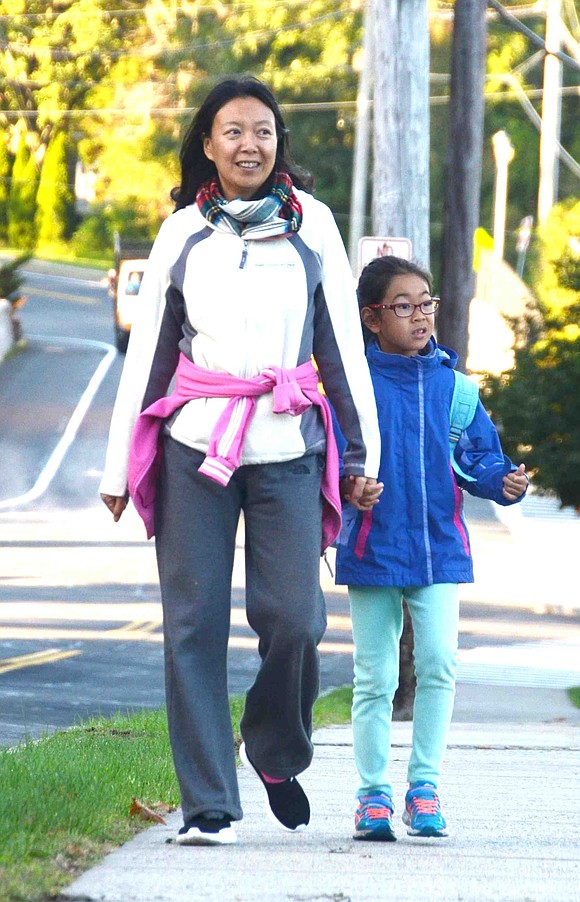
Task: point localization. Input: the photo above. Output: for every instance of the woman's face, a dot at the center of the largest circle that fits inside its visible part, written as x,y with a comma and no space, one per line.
242,144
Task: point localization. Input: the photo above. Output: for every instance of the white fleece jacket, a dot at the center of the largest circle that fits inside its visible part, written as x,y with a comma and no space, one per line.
239,306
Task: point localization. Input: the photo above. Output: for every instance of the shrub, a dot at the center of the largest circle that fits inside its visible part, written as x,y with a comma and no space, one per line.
536,405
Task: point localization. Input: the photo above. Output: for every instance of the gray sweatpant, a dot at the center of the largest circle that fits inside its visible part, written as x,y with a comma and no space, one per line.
196,523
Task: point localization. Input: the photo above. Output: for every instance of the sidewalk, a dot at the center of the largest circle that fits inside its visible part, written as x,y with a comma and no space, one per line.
511,801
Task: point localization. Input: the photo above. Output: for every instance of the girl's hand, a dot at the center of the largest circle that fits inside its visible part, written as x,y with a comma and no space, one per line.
361,491
116,505
515,484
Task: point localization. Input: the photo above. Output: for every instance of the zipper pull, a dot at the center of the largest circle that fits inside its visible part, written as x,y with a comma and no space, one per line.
244,255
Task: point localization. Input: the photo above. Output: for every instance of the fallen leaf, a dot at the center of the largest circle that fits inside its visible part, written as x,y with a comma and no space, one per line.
138,809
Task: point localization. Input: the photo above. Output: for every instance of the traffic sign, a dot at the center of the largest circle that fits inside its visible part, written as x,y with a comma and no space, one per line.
371,246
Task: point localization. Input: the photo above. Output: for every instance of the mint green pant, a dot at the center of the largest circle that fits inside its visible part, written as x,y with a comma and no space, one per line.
377,623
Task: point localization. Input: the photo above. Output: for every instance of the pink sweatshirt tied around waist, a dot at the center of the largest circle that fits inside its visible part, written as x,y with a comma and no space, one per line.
294,391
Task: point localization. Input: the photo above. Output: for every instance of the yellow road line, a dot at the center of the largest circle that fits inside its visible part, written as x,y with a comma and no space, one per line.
34,659
139,627
62,296
146,635
150,631
132,627
58,634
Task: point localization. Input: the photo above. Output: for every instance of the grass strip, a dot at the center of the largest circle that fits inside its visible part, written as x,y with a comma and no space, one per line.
65,798
60,253
574,695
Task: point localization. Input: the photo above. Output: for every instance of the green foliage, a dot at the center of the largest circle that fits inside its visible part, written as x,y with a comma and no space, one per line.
537,404
22,202
147,66
93,239
133,219
5,167
55,200
11,279
556,272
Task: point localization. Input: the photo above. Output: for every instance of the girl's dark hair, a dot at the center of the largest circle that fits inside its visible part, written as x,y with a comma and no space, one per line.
195,166
377,276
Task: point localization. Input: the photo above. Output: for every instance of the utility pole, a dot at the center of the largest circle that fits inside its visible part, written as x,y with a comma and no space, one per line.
401,179
358,197
401,123
551,106
503,153
463,180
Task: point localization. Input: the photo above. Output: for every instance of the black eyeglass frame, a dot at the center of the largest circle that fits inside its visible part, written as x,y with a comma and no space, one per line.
435,301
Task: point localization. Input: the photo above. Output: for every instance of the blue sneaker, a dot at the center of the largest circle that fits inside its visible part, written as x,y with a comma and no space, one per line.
373,820
422,813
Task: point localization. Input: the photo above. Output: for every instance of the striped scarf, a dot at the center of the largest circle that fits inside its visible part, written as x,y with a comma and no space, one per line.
279,213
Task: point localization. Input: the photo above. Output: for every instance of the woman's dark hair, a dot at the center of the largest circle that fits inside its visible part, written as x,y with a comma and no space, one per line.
195,166
377,276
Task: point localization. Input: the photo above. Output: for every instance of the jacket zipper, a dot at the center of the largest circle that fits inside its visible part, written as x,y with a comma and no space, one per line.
244,255
429,559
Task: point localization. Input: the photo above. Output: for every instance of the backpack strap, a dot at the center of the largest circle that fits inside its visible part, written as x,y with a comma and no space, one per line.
463,407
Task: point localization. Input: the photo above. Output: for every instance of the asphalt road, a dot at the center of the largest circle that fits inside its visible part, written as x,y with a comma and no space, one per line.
80,617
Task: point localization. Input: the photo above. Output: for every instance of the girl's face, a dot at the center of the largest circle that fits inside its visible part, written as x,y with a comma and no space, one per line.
242,144
402,335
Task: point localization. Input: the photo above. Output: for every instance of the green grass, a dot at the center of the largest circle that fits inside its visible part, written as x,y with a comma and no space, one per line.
60,253
574,695
65,799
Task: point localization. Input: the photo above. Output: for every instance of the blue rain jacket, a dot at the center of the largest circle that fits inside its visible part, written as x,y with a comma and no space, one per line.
416,535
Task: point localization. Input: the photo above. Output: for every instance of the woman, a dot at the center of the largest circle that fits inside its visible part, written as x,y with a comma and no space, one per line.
246,280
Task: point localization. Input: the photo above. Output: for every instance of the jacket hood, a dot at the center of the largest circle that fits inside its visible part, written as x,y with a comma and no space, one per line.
435,355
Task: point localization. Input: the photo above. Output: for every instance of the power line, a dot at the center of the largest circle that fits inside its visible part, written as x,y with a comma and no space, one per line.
149,52
534,38
122,13
444,10
306,107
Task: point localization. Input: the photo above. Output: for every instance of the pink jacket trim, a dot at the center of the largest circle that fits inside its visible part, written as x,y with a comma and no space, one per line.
294,391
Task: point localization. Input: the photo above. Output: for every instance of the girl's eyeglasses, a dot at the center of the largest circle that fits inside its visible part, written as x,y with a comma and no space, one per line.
405,310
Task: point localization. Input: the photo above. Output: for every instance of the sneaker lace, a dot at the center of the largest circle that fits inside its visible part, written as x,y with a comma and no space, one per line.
374,807
425,804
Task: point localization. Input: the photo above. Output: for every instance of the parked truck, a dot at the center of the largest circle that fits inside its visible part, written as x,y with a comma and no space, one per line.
124,283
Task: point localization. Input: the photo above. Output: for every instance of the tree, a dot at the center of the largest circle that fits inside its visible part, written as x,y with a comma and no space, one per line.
546,378
546,373
54,201
11,281
22,202
4,187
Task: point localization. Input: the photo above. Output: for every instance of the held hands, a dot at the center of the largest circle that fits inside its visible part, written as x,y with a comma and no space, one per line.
515,484
115,504
361,491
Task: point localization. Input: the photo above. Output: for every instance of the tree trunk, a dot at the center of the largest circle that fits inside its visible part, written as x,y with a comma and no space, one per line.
401,175
401,123
405,694
463,181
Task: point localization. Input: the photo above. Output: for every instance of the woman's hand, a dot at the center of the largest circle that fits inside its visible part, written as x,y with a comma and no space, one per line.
361,491
116,505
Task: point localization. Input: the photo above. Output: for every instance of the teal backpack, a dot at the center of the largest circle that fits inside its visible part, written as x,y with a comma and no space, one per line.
463,406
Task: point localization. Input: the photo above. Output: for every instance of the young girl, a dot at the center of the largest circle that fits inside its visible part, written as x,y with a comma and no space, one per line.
412,544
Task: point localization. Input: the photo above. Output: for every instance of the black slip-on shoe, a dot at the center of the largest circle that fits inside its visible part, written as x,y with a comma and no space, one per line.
207,831
287,801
